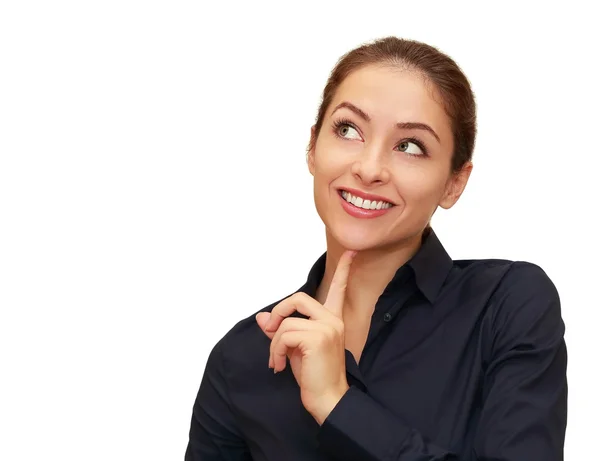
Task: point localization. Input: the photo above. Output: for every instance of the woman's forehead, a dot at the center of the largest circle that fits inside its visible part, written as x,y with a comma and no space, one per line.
389,87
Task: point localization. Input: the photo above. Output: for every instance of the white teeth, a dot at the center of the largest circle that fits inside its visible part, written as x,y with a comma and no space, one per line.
365,204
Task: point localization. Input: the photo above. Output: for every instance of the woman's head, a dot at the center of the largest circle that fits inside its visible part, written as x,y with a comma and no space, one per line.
397,121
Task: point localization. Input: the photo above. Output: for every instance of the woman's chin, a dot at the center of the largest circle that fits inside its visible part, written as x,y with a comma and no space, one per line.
357,240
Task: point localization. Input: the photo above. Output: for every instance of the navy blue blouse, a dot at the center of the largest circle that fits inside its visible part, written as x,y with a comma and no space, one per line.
464,360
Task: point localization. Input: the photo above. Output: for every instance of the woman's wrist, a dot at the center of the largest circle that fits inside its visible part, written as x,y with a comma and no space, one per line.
324,406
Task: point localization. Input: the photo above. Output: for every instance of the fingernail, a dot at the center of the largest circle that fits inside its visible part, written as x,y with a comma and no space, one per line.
269,326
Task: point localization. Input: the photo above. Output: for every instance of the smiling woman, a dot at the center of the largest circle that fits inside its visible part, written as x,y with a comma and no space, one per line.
386,134
391,350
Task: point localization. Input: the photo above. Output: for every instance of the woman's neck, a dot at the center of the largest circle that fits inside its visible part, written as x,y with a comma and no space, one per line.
370,273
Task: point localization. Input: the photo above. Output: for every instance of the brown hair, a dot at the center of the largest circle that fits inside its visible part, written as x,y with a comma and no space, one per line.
438,68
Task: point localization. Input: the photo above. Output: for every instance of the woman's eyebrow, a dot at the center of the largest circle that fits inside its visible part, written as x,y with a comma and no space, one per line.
402,125
418,126
348,105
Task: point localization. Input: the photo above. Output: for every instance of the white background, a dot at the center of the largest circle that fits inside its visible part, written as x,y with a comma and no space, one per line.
153,192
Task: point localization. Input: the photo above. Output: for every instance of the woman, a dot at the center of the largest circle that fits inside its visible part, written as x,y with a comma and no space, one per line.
391,350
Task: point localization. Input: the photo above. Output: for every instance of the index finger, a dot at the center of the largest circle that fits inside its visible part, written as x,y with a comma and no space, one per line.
337,289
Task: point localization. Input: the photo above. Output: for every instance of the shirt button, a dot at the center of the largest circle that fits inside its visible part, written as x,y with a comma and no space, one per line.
387,317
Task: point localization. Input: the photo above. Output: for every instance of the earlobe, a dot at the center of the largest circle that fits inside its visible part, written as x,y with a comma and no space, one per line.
456,186
447,202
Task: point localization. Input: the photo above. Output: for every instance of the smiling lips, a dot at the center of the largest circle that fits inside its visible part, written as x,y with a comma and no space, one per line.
362,207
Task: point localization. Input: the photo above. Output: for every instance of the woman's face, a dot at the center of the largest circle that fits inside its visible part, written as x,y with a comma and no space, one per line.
388,142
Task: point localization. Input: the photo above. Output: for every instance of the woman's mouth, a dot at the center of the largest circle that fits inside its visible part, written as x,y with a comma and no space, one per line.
363,208
364,204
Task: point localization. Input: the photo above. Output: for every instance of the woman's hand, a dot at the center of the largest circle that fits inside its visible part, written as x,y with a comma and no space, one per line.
315,346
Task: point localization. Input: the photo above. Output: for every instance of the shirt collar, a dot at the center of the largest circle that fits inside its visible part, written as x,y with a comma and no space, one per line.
430,266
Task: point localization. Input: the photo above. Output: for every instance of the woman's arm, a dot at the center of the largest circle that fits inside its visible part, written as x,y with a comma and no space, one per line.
213,433
524,395
525,387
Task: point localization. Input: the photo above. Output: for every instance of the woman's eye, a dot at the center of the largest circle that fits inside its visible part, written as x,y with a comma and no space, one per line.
410,148
346,131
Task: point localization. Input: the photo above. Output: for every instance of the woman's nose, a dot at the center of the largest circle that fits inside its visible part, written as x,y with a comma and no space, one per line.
371,166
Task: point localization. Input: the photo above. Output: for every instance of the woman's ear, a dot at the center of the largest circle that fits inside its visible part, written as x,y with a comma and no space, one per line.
456,185
310,153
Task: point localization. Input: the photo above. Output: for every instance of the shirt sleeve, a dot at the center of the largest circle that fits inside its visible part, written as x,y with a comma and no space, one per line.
524,392
525,386
214,435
